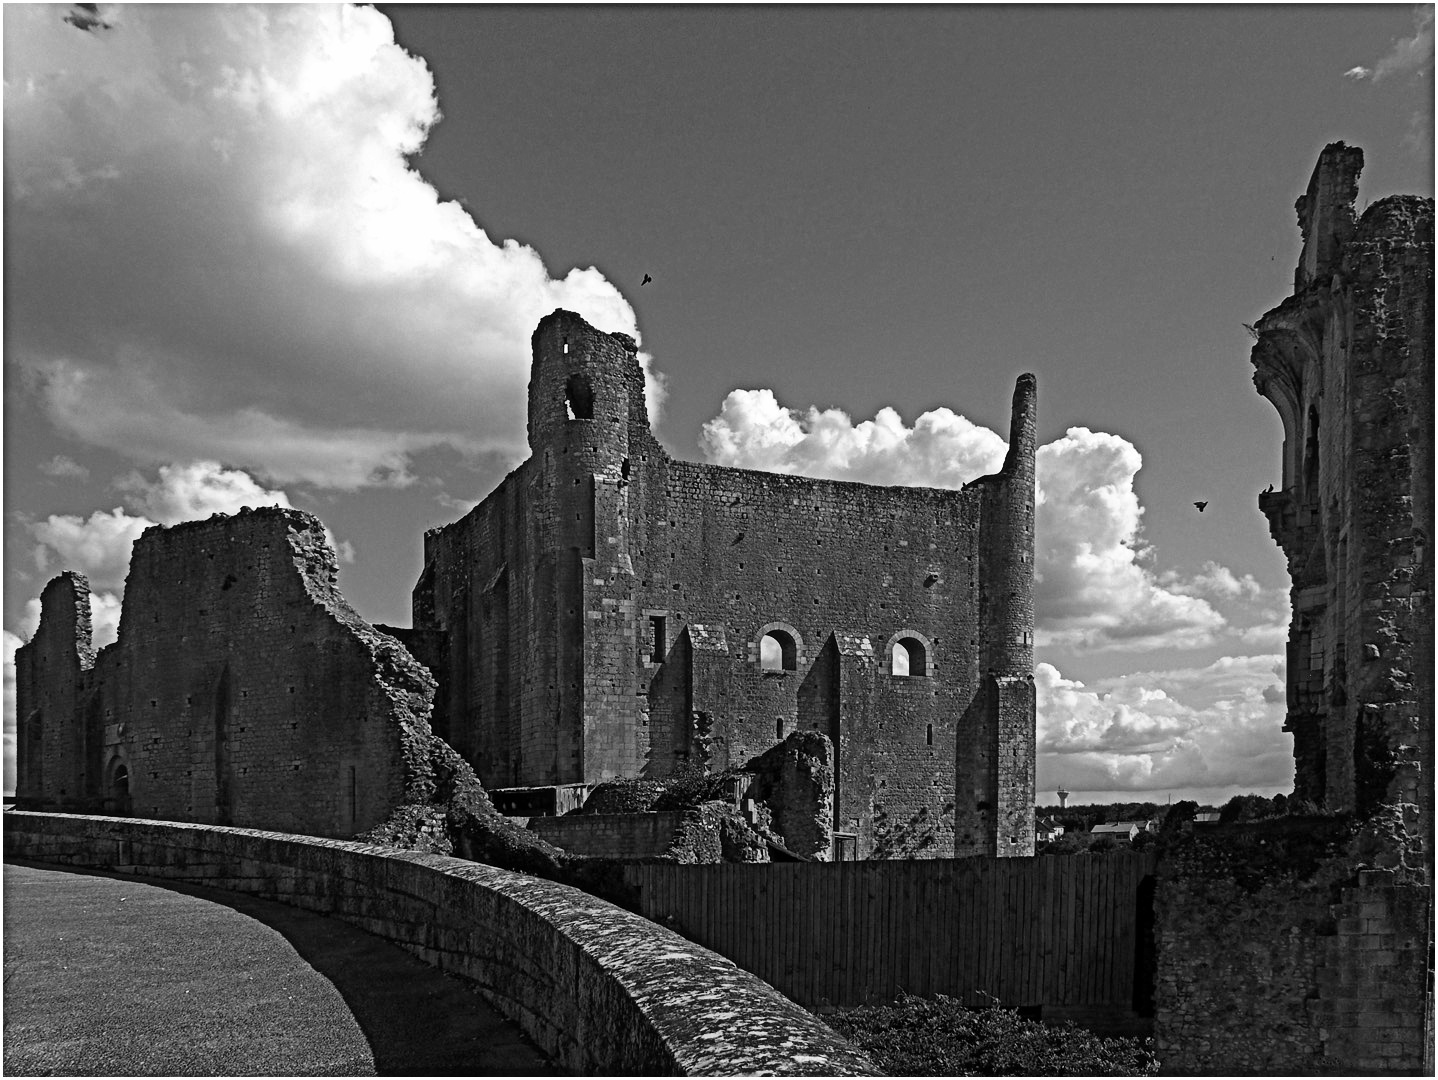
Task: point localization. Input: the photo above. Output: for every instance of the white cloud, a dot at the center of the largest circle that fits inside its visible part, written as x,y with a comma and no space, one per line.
1092,589
195,491
265,278
753,431
1214,727
97,546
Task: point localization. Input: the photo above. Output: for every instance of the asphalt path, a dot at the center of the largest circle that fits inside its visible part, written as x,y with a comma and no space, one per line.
115,976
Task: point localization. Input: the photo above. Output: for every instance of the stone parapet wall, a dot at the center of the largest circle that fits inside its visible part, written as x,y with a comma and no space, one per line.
599,989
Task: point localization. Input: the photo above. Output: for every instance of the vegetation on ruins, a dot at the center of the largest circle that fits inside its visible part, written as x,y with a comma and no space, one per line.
916,1036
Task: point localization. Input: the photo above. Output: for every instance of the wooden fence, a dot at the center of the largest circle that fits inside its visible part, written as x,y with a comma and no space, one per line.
1054,930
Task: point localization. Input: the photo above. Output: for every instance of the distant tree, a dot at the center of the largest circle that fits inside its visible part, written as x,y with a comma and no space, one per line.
1144,840
1242,808
1070,843
1102,845
1179,814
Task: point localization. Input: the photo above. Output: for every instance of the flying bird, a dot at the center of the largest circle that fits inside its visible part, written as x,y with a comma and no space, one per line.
1201,505
647,280
87,17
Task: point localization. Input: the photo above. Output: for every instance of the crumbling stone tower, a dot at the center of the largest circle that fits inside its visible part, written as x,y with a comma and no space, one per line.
1347,361
610,612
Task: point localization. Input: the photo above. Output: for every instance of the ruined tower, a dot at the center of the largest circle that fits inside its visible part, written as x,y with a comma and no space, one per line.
1347,360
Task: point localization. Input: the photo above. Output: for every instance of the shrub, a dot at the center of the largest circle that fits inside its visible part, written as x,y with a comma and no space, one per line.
916,1036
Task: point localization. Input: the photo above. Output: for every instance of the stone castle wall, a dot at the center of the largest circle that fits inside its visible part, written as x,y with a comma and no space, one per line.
605,607
243,688
1282,955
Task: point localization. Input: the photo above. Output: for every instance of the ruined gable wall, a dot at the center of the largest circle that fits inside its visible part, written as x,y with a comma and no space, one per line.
56,747
246,691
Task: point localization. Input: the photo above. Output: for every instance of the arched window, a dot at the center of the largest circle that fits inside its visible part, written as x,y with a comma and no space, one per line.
909,655
778,652
579,398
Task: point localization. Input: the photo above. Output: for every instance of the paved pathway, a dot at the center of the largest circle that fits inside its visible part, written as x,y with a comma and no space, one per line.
107,975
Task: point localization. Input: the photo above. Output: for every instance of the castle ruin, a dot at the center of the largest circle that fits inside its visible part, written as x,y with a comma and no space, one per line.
1347,361
606,612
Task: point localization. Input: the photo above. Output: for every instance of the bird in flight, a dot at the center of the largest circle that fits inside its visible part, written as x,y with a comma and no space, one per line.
1201,505
647,280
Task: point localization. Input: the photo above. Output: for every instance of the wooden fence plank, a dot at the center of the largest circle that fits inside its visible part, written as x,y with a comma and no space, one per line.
1050,930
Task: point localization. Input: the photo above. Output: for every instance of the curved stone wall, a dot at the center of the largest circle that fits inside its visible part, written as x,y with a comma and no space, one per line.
601,990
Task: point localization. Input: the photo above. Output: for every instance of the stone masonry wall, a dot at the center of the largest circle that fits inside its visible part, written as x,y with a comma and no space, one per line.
243,688
57,758
1283,955
613,835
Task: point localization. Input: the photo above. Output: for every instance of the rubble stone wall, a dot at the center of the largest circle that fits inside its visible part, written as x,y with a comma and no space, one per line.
614,835
1266,965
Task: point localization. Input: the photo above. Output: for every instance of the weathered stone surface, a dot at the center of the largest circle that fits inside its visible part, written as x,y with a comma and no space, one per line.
1281,951
601,990
1292,947
243,688
1347,361
604,609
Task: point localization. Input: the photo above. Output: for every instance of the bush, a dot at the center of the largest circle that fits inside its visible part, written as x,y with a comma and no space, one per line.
916,1036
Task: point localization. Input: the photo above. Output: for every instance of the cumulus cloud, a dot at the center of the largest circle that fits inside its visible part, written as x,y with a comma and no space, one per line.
97,546
942,449
228,254
1212,727
1092,587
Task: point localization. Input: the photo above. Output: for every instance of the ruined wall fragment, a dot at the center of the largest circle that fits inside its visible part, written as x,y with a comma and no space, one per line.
1347,361
243,688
